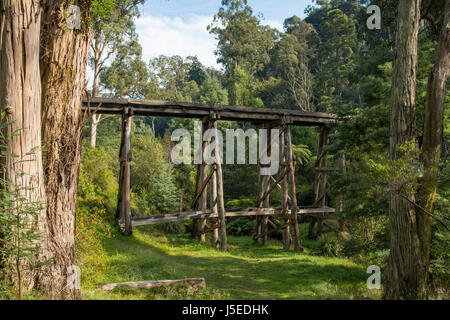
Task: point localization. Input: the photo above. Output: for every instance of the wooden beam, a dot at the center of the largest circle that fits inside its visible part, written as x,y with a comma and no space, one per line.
278,185
285,199
195,110
292,189
320,181
325,192
214,208
271,188
185,216
199,282
220,195
123,212
203,187
201,198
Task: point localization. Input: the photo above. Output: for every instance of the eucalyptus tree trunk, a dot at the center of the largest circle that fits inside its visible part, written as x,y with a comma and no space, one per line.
20,100
63,60
95,119
433,135
405,276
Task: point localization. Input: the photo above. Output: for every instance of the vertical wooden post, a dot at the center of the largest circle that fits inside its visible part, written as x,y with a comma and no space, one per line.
220,195
198,225
284,195
261,221
266,203
317,178
293,191
198,183
260,193
324,164
263,186
264,219
320,181
342,169
213,202
123,212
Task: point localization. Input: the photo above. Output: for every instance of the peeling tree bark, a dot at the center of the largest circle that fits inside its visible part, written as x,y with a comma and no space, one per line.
405,276
20,98
63,60
433,136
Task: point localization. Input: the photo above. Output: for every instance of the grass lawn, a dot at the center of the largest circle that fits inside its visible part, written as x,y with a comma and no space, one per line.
247,271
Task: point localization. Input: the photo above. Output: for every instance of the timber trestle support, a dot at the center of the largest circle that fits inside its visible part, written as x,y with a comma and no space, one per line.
210,216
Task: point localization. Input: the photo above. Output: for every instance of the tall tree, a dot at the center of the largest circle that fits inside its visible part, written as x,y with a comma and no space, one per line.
109,32
243,41
406,273
433,136
211,92
292,58
20,100
63,61
128,76
335,56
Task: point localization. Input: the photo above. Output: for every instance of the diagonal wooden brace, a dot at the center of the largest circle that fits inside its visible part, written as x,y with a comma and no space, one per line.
322,195
204,185
277,182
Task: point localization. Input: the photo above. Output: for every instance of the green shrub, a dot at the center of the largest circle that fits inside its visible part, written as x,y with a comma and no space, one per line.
440,260
328,245
241,226
240,204
19,232
92,228
98,185
96,206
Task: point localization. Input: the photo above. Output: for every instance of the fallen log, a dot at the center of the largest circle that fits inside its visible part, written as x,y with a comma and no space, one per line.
199,282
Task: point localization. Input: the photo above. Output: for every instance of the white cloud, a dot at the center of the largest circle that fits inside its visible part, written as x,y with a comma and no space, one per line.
177,36
273,24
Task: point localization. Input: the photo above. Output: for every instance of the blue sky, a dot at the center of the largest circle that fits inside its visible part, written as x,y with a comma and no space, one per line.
272,9
178,27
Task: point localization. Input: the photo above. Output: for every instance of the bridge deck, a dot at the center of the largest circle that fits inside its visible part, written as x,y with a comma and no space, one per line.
195,110
185,216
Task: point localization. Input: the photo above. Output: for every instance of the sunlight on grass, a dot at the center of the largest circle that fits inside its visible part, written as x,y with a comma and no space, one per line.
247,271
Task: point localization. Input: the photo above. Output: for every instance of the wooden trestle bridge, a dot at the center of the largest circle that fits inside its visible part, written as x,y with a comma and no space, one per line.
212,218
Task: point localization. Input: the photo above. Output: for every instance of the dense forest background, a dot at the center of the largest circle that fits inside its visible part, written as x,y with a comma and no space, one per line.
388,153
328,62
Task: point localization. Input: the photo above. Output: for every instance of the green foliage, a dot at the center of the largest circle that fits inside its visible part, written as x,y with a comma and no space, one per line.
241,227
152,177
96,204
211,92
98,183
329,245
128,75
19,243
439,264
242,40
19,233
292,63
241,88
240,204
93,228
101,10
302,153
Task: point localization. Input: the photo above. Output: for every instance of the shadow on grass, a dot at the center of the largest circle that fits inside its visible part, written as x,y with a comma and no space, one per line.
248,271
